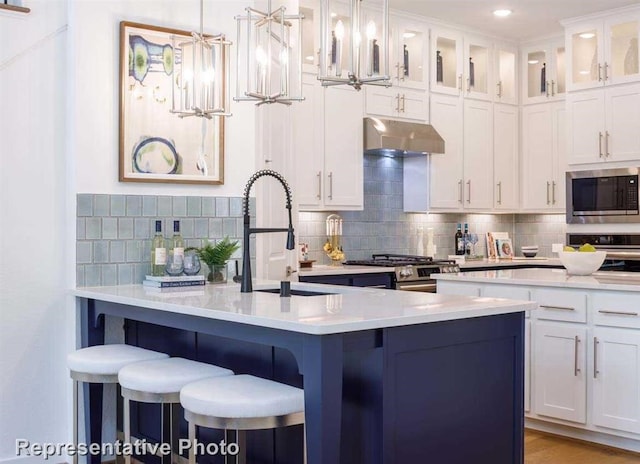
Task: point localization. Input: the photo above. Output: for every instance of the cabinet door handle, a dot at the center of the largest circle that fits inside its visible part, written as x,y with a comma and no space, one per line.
558,308
553,88
600,144
499,89
606,144
469,191
398,71
319,175
576,369
606,71
331,186
460,191
402,99
547,87
617,313
599,72
460,82
595,357
499,193
401,72
397,103
548,196
553,193
468,85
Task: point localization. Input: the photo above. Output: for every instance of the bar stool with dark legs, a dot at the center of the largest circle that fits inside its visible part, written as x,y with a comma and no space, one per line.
241,402
160,382
101,364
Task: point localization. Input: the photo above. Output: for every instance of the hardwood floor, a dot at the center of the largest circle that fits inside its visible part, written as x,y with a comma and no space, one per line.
542,448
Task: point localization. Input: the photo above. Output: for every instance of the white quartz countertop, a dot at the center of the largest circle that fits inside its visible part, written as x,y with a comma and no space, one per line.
348,309
518,261
624,281
323,269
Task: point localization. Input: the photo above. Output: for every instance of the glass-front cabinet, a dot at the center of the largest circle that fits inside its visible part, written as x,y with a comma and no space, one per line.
543,72
506,66
408,50
461,65
603,51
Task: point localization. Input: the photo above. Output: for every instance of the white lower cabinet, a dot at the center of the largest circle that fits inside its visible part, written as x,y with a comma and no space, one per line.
616,379
458,288
559,366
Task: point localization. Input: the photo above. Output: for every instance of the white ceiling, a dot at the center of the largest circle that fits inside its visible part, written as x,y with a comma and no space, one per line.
530,19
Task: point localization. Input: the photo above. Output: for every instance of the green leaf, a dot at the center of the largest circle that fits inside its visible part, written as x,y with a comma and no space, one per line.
218,254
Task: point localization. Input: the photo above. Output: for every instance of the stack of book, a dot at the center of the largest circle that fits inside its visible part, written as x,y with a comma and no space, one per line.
172,283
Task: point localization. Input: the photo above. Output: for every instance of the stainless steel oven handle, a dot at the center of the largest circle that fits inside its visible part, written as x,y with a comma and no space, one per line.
417,287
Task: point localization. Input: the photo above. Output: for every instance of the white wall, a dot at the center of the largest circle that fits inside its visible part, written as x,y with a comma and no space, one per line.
35,270
94,36
59,137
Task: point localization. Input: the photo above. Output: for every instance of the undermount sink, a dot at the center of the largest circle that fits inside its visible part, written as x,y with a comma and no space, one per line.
294,292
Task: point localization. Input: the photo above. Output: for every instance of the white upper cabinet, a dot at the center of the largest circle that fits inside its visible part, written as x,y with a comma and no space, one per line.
603,125
397,102
461,65
409,53
505,72
603,51
505,157
543,72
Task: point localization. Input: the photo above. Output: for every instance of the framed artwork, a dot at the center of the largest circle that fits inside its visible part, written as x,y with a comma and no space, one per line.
505,248
492,248
157,145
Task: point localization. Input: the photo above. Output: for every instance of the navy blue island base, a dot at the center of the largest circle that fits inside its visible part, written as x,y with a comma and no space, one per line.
446,392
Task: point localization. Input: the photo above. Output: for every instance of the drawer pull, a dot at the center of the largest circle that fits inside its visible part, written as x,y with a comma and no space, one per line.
595,357
617,313
559,308
576,369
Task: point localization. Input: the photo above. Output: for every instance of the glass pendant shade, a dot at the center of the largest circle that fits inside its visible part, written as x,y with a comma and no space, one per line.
354,43
271,70
201,75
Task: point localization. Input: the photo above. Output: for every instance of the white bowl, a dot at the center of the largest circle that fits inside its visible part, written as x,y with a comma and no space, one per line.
529,247
582,263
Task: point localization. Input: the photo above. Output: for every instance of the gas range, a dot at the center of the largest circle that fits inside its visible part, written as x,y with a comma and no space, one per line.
411,272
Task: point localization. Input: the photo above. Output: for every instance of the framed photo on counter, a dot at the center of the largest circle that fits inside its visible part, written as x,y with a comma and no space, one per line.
157,145
505,248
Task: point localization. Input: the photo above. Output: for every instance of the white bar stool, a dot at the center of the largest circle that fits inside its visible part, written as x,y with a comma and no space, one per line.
160,382
100,364
241,402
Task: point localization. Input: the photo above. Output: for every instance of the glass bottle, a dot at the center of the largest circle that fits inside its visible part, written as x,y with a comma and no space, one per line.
439,76
465,239
472,73
543,79
459,243
177,242
334,46
376,57
158,252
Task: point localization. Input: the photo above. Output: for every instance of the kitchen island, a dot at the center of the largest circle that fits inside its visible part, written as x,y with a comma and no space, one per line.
388,376
582,348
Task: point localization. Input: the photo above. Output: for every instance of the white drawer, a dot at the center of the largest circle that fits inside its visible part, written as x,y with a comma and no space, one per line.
511,292
619,309
560,305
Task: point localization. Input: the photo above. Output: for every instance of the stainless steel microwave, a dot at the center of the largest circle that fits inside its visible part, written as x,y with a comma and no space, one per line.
603,196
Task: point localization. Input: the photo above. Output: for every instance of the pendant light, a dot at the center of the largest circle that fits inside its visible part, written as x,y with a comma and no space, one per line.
201,74
354,46
271,72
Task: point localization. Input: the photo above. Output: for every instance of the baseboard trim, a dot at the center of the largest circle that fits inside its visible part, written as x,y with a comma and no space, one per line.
588,436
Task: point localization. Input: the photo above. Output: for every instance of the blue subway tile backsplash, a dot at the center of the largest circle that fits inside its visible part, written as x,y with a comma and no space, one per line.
113,232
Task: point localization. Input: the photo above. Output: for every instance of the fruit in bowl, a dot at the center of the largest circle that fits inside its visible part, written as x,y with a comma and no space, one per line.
585,261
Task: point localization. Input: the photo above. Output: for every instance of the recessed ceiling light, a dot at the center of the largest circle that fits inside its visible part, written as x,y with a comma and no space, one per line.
408,35
334,15
309,58
584,73
502,13
533,61
587,35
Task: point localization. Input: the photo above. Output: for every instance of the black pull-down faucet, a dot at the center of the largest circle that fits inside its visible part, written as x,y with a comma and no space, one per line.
245,285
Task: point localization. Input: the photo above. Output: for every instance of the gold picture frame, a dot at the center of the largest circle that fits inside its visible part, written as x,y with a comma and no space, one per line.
155,144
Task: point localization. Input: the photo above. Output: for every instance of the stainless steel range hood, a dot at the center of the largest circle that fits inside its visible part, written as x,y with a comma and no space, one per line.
386,137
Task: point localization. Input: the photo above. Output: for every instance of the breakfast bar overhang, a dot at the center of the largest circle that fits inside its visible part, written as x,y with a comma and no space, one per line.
389,377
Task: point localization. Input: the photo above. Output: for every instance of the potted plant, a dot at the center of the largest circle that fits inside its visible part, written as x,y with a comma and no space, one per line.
216,257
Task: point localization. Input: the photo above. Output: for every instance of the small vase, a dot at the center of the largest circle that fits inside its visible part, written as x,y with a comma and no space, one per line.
217,274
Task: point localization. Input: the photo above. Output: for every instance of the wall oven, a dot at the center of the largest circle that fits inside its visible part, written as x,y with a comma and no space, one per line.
603,196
